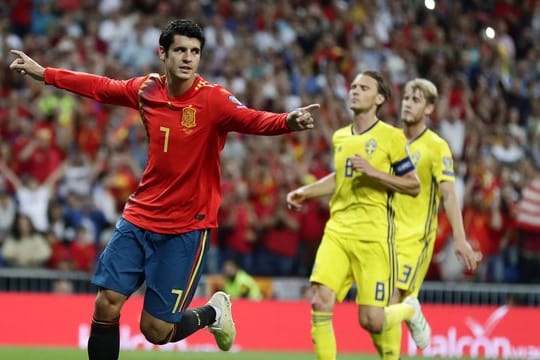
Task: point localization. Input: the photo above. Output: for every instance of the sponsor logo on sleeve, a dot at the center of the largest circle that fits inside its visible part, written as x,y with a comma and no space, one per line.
234,100
448,166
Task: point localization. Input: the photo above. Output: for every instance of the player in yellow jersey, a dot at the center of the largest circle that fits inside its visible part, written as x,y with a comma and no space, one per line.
417,217
371,165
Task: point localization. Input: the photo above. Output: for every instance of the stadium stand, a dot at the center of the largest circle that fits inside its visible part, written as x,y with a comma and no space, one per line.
483,56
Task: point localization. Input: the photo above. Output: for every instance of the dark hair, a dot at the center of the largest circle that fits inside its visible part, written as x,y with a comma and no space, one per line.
16,231
382,86
180,27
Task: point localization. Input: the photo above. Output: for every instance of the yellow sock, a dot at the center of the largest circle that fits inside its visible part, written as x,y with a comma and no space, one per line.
388,342
322,333
397,313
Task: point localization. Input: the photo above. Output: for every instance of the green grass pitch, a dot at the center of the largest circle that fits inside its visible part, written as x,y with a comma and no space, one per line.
75,354
12,353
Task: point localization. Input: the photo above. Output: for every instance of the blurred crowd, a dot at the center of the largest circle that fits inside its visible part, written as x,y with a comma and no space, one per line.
67,164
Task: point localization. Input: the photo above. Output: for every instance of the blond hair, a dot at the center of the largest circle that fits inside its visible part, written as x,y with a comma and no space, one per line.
426,87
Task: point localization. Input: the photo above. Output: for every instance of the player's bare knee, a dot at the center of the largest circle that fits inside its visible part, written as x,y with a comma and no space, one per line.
372,320
372,325
155,330
323,298
364,322
108,304
154,334
319,304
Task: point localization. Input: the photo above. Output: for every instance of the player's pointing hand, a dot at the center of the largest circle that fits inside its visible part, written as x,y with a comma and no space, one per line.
301,119
25,65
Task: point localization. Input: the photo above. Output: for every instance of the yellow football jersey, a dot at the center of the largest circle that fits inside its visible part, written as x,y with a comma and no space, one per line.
361,207
417,217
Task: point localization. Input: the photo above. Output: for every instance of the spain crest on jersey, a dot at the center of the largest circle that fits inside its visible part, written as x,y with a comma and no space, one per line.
188,117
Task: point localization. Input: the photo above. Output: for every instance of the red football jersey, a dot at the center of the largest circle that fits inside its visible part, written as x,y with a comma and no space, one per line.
180,188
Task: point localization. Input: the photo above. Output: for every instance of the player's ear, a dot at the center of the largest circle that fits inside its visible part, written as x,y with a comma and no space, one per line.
429,109
161,53
379,100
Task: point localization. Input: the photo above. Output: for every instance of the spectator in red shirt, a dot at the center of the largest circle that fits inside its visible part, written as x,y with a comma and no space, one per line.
40,156
280,240
241,223
313,216
83,249
77,254
482,222
528,221
61,257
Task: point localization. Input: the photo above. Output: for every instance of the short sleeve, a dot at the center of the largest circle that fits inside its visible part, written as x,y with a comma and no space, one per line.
399,154
443,167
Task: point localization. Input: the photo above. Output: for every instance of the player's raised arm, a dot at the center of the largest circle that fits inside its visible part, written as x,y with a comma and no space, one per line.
235,116
25,65
99,88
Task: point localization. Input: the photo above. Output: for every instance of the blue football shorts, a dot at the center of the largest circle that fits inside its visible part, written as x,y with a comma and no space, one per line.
170,264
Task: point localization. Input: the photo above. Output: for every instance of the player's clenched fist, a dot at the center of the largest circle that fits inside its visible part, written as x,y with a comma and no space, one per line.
361,164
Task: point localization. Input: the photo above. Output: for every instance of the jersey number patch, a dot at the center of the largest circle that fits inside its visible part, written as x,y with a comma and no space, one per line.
178,294
404,276
379,291
167,131
349,171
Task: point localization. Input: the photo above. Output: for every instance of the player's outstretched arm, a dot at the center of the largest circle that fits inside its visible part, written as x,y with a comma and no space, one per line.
301,118
25,65
322,187
99,88
463,249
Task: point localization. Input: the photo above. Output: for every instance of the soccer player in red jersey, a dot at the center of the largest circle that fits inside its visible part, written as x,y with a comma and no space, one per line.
163,233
